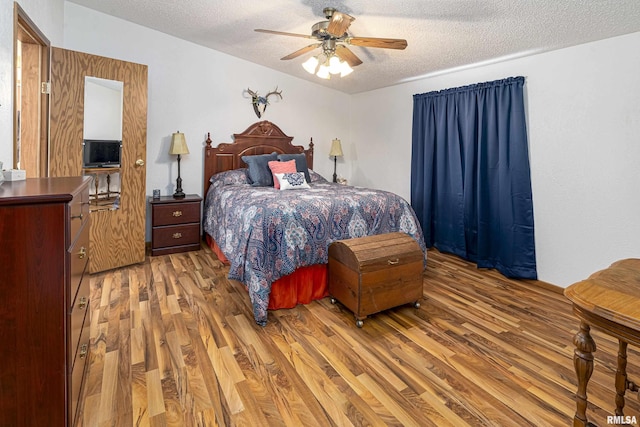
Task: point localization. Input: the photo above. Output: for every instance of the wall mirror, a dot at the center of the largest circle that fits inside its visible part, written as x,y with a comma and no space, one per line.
102,140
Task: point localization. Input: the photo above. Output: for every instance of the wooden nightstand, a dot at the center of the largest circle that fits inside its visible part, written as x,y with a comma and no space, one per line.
175,224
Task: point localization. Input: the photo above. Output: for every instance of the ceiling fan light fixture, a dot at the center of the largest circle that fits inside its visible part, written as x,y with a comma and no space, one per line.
333,38
335,65
311,64
345,69
323,72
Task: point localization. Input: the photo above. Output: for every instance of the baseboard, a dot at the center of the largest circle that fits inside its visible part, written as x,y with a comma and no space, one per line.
549,286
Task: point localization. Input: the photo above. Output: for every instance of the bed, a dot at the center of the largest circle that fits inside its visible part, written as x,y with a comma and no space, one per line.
274,241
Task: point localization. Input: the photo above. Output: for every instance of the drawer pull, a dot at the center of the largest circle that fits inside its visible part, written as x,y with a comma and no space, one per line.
177,213
82,253
84,348
77,217
177,235
393,261
82,303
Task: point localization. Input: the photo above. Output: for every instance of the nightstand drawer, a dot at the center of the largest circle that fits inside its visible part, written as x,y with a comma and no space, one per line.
176,235
176,213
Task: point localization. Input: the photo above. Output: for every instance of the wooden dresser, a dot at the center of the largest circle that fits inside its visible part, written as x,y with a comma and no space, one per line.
44,294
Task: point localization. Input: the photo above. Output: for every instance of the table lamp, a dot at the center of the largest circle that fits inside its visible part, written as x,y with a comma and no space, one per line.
179,147
336,151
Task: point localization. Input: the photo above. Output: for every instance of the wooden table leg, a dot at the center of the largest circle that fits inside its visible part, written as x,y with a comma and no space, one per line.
583,364
621,377
97,182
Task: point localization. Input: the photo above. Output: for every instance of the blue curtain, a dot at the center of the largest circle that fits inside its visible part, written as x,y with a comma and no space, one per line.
470,178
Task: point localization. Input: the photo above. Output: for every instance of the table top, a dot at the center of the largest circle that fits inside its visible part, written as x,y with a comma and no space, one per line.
39,190
612,293
170,199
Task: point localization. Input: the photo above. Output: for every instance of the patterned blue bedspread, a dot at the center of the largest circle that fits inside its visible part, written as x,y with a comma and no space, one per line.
267,233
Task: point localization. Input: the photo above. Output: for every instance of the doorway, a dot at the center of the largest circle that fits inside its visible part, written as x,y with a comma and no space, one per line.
31,50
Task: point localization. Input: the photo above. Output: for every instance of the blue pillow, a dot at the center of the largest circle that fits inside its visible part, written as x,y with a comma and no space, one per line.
301,163
259,173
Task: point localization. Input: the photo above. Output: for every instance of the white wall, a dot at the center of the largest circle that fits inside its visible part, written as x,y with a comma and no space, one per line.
583,108
583,120
47,15
197,90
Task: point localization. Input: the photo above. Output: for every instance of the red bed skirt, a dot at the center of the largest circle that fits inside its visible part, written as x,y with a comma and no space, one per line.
304,285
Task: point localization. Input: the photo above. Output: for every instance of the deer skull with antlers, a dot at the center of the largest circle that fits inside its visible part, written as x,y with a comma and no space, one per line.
260,102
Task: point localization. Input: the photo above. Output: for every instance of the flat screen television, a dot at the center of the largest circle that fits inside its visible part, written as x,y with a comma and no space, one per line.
100,153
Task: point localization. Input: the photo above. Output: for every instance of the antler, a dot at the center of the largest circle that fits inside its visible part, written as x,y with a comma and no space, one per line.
274,92
260,103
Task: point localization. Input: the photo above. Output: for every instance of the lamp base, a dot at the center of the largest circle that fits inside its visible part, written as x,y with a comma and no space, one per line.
179,194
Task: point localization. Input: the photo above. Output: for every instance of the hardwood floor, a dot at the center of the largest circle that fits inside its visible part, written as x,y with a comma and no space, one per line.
174,344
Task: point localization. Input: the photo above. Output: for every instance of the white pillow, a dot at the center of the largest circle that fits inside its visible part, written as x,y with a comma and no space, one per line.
292,181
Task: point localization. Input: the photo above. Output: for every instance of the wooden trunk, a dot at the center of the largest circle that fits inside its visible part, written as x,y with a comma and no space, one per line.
374,273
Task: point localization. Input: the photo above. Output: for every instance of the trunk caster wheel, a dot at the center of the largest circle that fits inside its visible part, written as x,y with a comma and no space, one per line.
332,300
359,323
416,304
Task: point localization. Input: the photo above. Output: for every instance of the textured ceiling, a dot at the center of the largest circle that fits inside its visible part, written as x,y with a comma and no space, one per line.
441,34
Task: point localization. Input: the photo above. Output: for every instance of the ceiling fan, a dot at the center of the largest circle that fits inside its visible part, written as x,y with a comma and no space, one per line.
333,39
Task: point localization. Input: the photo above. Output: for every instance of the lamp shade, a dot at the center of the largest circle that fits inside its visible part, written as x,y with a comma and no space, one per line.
345,69
336,148
335,65
311,64
323,72
178,144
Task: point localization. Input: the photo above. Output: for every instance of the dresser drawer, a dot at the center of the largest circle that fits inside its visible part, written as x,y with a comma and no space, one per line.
176,235
79,211
78,314
77,372
78,259
178,213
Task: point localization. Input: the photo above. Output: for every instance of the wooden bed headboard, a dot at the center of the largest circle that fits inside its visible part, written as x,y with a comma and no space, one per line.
260,138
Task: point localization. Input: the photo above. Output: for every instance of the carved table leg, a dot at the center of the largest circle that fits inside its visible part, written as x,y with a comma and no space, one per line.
97,182
621,377
583,364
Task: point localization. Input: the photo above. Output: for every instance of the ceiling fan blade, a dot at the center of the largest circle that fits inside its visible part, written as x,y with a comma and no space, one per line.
301,51
346,55
281,33
376,42
339,23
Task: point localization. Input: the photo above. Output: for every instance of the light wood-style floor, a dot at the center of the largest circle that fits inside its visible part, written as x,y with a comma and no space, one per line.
174,344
